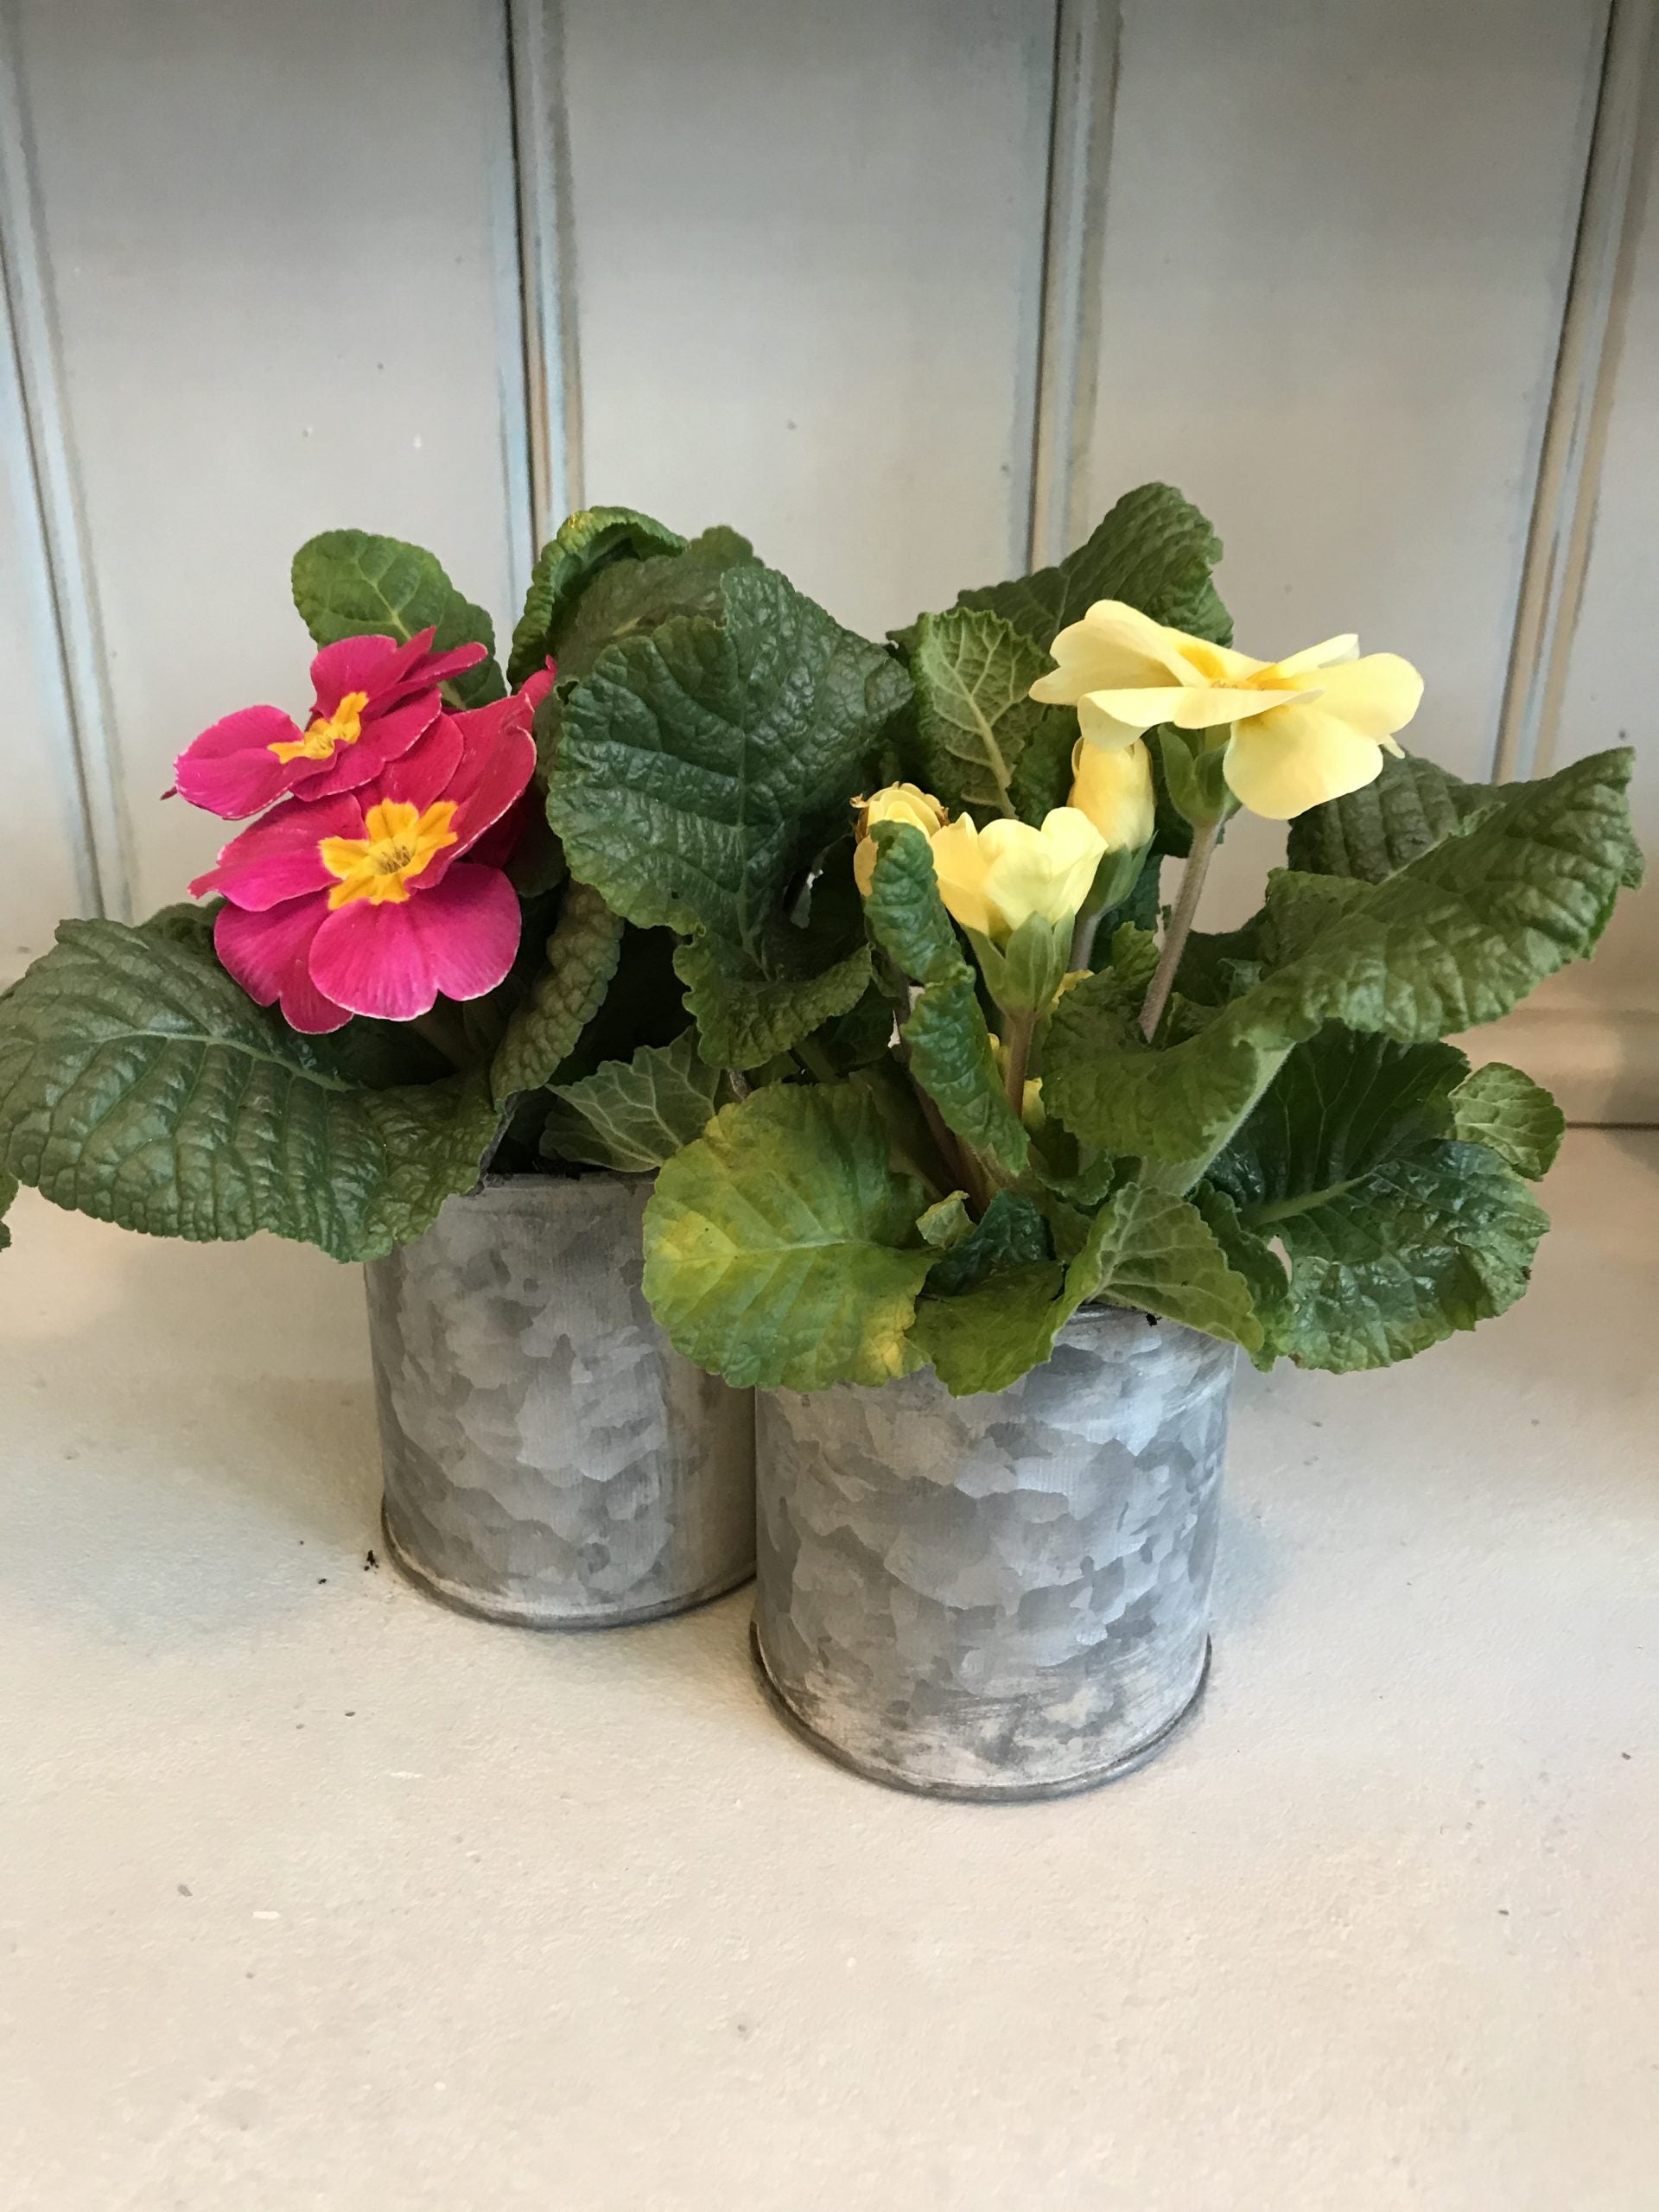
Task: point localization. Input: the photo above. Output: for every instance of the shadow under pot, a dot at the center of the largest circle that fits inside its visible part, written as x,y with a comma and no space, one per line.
1004,1595
549,1458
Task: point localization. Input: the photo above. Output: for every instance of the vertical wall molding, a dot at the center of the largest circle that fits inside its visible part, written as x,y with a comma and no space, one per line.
547,261
40,459
1086,39
1622,143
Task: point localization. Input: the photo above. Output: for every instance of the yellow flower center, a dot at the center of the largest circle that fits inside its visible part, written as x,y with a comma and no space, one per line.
1208,662
343,727
401,843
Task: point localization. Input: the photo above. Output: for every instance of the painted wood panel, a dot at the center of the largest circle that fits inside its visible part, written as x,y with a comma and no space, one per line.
45,875
1594,1030
1337,244
808,246
277,245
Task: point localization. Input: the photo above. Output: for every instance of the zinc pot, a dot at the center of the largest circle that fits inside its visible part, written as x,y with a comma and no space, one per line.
549,1458
997,1596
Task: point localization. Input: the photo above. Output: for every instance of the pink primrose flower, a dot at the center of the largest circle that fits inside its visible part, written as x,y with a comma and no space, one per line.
373,699
374,900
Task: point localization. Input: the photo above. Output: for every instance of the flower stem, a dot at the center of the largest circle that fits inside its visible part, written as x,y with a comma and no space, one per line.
1016,1055
1204,838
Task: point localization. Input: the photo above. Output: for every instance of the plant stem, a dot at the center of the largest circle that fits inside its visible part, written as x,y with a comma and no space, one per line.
815,1061
1083,941
1204,838
1016,1055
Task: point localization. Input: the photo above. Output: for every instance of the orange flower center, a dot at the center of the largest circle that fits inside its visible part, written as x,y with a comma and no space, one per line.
402,842
343,727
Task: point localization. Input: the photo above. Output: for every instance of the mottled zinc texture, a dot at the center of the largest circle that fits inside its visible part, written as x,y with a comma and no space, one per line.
1000,1595
549,1459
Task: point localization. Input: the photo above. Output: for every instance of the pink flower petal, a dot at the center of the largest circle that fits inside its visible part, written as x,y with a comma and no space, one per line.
442,666
279,858
499,762
423,773
535,688
230,769
267,954
384,737
393,960
365,663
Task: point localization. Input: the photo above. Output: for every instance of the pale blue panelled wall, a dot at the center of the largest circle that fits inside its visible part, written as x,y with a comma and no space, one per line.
903,291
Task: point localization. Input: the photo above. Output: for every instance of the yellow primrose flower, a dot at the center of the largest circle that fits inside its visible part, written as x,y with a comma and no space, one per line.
896,803
992,880
1303,730
1112,785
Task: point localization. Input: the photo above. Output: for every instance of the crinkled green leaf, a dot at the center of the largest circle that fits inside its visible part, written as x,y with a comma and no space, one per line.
348,583
139,1084
630,598
1250,1256
973,673
946,1037
1455,937
1145,1249
1395,1236
1011,1234
1510,1114
744,1019
781,1247
584,544
1410,808
630,1115
581,958
700,768
8,1192
949,1055
1154,550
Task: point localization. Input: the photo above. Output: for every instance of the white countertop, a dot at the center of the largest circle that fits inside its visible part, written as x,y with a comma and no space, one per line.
313,1895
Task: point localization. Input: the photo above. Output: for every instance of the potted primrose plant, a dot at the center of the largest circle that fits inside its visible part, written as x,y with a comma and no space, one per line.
403,1030
989,1238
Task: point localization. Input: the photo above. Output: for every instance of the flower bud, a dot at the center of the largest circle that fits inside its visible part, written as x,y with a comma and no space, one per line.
905,802
993,880
1114,788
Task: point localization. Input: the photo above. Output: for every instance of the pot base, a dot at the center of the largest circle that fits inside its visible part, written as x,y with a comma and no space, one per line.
1127,1763
519,1612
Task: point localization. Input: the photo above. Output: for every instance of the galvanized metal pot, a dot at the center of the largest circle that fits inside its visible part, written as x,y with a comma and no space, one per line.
1000,1596
549,1458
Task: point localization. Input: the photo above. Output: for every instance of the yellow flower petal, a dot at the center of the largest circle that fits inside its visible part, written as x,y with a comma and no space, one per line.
961,869
1280,763
1113,787
1208,708
1375,696
1113,646
1321,656
1140,709
1102,730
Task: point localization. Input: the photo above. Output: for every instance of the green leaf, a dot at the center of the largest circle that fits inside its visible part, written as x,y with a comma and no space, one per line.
1145,1249
780,1248
1154,550
1510,1114
584,544
744,1019
8,1192
700,768
630,1115
582,959
348,583
1251,1257
949,1053
948,1043
1011,1234
139,1084
973,673
1395,1236
944,1225
630,598
1412,806
1455,937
